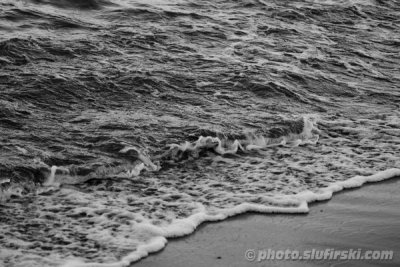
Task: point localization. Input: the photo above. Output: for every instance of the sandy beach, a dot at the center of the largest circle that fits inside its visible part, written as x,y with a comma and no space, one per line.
366,218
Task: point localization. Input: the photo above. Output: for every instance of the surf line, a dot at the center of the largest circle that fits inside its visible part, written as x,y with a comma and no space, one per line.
295,133
182,227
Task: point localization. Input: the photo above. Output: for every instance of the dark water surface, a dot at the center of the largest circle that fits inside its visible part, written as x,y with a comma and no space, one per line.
92,92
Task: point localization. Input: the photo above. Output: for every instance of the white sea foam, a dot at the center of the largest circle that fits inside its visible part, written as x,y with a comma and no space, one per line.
118,221
63,175
7,193
278,202
154,245
186,226
141,156
307,135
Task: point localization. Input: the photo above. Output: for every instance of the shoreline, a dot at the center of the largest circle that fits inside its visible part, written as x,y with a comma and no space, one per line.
352,217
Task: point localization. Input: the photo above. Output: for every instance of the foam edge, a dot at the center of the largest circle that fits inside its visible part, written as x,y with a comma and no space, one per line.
182,227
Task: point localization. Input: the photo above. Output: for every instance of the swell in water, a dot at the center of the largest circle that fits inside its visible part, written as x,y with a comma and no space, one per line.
124,123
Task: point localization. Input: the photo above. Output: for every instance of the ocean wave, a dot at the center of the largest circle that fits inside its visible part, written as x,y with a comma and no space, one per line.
124,123
156,235
82,4
205,180
291,133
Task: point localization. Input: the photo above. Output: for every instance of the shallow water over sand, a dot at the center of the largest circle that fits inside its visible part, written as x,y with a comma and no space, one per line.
363,219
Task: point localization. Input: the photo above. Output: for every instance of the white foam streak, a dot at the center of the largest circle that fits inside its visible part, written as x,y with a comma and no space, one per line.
62,175
154,245
146,160
59,175
209,142
308,135
51,179
156,235
182,227
357,181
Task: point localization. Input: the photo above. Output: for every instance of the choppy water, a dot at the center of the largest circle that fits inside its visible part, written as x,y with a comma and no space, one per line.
99,97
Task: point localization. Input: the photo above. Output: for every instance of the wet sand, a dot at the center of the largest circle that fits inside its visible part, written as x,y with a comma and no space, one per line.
365,218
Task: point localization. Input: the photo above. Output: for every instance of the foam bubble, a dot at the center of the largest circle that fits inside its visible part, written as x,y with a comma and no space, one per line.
305,132
186,226
112,222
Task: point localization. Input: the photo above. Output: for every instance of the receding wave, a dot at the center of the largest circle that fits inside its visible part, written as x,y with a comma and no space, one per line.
122,213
